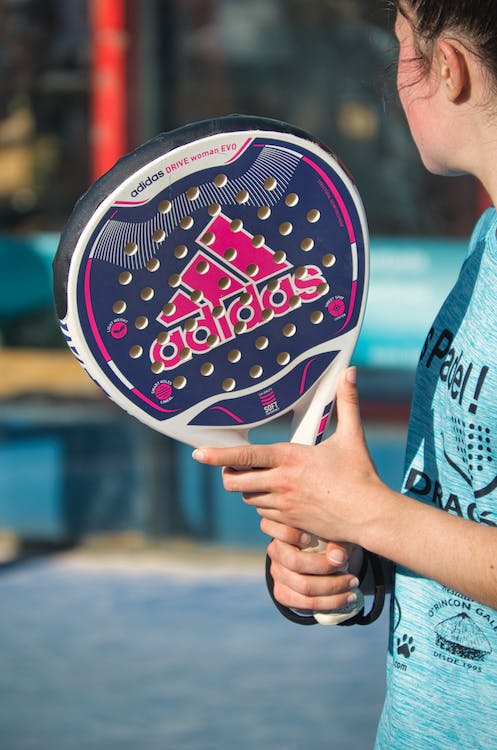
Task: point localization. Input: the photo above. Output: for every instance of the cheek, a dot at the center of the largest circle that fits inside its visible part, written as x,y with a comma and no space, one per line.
414,118
427,134
409,107
417,109
417,126
408,85
414,87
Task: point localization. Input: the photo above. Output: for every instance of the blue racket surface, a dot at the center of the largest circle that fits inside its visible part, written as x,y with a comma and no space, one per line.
209,281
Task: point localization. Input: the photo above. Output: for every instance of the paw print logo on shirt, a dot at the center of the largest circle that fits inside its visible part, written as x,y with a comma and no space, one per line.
405,646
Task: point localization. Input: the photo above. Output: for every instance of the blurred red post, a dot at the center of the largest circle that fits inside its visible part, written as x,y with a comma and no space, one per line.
108,84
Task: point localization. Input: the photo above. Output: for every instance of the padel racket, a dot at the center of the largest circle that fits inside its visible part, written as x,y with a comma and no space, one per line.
215,279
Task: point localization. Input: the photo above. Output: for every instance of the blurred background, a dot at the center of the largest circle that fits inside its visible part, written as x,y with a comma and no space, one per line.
81,83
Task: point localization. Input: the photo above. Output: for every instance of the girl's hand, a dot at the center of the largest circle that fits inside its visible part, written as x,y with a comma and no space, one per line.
304,581
327,489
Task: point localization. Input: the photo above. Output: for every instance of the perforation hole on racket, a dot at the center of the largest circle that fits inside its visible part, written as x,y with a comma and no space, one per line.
215,279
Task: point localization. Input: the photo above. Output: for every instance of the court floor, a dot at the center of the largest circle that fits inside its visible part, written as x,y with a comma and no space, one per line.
168,652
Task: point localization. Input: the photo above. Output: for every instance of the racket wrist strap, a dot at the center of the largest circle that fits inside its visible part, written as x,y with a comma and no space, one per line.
369,560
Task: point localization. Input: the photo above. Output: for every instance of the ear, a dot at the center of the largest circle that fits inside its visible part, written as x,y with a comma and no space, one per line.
454,72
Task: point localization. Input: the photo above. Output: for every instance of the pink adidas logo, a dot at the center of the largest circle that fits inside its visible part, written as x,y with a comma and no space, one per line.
233,285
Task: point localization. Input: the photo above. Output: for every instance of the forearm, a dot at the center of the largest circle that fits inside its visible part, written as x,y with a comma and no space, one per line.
460,554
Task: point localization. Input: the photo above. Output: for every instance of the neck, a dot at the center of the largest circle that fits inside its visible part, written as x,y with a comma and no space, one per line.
480,138
485,162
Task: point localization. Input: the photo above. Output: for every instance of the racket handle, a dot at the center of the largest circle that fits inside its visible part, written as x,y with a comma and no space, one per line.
335,616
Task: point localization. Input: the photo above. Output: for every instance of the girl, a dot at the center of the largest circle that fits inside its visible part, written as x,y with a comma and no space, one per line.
440,532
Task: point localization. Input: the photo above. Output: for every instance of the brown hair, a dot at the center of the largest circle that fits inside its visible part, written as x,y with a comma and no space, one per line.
473,22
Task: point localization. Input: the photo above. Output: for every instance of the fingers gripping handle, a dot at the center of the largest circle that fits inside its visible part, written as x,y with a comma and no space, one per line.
336,616
307,415
332,617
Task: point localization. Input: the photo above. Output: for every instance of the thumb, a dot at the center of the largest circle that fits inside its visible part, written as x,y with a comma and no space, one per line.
347,403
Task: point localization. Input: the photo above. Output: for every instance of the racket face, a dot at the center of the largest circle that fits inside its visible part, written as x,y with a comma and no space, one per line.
215,283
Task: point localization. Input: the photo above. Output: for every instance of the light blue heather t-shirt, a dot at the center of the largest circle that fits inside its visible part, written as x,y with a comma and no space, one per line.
442,662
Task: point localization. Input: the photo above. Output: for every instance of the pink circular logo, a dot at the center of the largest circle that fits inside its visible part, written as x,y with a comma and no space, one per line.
336,307
163,392
118,329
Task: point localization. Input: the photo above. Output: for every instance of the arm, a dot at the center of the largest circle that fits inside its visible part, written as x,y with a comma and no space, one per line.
332,490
